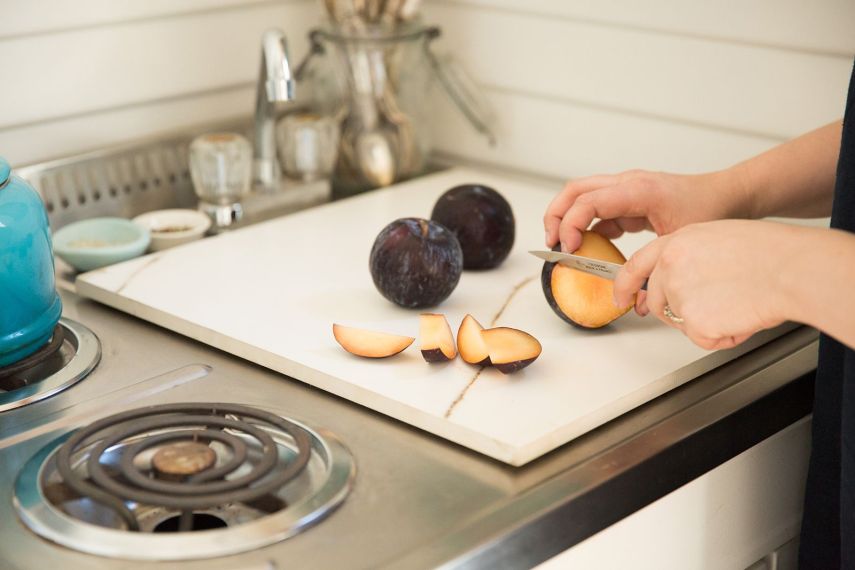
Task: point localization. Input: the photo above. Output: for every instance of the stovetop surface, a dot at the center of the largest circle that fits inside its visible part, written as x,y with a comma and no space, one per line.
416,500
402,474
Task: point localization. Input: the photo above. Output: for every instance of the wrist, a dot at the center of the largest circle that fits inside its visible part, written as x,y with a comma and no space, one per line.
736,186
804,254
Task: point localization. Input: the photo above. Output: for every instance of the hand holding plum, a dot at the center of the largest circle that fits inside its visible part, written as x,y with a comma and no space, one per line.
637,200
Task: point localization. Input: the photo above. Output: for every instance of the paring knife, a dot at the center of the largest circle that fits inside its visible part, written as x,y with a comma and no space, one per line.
604,269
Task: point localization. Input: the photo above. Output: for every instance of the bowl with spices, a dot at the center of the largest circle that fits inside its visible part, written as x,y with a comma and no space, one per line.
169,228
96,242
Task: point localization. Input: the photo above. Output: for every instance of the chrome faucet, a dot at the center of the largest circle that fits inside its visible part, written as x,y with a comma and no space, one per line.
275,84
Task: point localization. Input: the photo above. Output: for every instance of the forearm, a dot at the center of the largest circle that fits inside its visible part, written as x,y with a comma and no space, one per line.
794,179
818,282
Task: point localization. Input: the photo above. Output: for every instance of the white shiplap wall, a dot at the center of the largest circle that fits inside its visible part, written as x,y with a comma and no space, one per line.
84,74
578,86
584,86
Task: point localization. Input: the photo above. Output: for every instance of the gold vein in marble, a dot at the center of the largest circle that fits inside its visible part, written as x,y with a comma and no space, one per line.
493,323
136,272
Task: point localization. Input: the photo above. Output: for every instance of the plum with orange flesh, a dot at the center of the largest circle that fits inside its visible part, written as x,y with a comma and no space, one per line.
510,349
436,338
481,219
416,263
370,344
470,343
579,298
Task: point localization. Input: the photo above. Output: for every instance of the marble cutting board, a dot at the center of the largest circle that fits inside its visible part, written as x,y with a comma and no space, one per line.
271,292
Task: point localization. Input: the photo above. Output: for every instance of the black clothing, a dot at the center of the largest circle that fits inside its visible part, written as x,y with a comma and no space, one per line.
828,525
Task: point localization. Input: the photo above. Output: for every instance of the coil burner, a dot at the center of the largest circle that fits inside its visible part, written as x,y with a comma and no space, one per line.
141,484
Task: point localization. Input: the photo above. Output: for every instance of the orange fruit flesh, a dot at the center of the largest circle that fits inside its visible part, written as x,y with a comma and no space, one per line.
587,299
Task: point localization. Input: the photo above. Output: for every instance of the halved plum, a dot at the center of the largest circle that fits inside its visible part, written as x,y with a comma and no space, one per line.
510,349
470,343
436,338
370,344
579,298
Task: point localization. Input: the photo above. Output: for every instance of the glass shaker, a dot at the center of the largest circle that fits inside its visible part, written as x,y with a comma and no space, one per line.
307,144
221,169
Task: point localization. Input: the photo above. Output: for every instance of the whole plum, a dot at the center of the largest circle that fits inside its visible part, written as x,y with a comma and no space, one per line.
416,263
481,219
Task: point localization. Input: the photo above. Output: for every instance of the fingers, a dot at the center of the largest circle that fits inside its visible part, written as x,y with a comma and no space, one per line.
635,271
613,229
606,203
562,202
641,304
608,228
722,343
657,300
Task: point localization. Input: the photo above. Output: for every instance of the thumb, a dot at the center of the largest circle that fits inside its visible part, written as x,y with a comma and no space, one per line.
636,270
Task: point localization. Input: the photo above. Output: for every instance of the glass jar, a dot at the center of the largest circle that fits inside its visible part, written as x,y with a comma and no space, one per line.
376,81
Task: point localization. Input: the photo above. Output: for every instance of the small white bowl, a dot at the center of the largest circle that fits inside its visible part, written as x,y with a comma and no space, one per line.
169,228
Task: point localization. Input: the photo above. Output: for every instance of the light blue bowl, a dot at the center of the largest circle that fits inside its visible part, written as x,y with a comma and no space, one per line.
90,244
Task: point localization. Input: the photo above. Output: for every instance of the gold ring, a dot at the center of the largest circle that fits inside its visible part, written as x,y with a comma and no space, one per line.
670,314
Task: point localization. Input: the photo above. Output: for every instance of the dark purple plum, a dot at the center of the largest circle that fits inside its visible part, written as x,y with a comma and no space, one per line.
481,219
416,263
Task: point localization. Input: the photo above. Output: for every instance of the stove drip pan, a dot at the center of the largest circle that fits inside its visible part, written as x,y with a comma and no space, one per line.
183,481
67,358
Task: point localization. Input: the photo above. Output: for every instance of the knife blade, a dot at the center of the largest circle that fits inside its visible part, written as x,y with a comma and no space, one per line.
604,269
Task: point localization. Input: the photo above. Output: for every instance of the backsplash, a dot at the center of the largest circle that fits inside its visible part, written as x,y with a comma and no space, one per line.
577,87
589,86
85,74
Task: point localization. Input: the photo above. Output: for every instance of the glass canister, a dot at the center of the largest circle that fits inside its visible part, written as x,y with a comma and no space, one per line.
30,306
221,169
307,144
376,80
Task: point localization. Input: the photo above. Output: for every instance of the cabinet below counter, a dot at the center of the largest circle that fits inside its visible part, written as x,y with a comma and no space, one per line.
745,513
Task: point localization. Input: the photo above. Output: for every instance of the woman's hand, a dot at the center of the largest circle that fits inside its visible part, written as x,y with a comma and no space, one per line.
726,279
638,200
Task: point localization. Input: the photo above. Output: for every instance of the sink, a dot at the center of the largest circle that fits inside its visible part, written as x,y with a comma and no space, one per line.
150,174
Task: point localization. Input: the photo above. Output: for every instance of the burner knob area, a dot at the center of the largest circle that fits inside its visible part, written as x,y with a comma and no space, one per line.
183,459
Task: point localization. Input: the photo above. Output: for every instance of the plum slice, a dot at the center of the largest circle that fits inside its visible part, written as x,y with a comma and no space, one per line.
470,343
370,344
437,340
579,298
510,349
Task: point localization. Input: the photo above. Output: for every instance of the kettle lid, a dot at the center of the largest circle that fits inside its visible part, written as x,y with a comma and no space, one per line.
5,170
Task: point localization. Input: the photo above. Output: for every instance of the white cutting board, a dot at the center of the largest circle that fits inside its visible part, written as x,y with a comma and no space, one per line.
271,292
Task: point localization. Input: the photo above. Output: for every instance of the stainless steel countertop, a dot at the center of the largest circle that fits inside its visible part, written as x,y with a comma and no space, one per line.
418,501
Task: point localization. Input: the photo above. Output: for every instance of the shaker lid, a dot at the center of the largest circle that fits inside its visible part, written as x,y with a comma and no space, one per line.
5,170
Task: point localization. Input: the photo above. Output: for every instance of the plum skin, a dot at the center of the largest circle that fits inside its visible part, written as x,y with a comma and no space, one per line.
546,284
434,355
511,367
416,263
482,220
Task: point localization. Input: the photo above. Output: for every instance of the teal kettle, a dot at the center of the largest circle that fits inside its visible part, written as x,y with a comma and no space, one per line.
30,306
